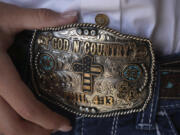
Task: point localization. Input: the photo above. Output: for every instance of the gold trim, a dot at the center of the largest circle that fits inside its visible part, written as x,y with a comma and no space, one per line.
87,87
87,75
87,81
93,69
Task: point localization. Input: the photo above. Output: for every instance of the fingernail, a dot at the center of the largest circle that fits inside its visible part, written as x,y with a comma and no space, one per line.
70,14
63,129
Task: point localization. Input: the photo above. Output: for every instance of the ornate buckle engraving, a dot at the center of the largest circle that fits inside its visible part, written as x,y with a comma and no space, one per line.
91,70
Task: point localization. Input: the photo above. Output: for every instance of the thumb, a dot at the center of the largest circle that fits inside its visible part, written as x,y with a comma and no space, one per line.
17,18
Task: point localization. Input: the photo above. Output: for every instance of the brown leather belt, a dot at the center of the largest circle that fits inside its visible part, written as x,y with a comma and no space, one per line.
170,79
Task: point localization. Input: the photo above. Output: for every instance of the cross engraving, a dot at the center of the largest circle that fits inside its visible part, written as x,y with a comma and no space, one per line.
88,69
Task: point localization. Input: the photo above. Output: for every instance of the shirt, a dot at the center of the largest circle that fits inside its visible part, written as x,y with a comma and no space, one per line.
158,20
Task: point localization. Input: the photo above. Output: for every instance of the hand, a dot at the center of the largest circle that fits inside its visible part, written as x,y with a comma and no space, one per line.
20,112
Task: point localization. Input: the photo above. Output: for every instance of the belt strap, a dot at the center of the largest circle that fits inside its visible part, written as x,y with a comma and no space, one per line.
169,72
170,78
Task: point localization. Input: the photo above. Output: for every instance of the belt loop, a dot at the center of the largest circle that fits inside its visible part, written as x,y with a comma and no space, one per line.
79,126
146,118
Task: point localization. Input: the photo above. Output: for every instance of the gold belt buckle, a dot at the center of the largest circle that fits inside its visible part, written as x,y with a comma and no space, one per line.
91,70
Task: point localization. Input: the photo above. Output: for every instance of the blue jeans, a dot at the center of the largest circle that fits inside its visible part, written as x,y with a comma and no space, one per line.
161,116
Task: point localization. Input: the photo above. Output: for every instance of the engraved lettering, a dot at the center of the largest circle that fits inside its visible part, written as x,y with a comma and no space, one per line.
109,100
113,50
76,46
86,47
119,51
95,100
125,50
106,100
133,49
93,48
99,49
43,40
54,43
66,44
60,44
74,97
106,50
46,40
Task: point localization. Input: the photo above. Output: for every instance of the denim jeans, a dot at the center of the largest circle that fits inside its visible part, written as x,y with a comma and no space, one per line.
161,116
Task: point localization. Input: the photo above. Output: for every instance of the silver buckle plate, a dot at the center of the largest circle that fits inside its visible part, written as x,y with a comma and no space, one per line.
92,70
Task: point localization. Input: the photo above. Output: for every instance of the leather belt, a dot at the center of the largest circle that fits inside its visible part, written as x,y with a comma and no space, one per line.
95,71
170,78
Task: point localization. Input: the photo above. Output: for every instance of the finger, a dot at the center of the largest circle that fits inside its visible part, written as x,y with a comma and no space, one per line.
23,18
13,124
20,98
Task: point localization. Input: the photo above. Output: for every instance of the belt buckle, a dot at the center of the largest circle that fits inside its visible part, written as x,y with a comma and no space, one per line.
91,70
